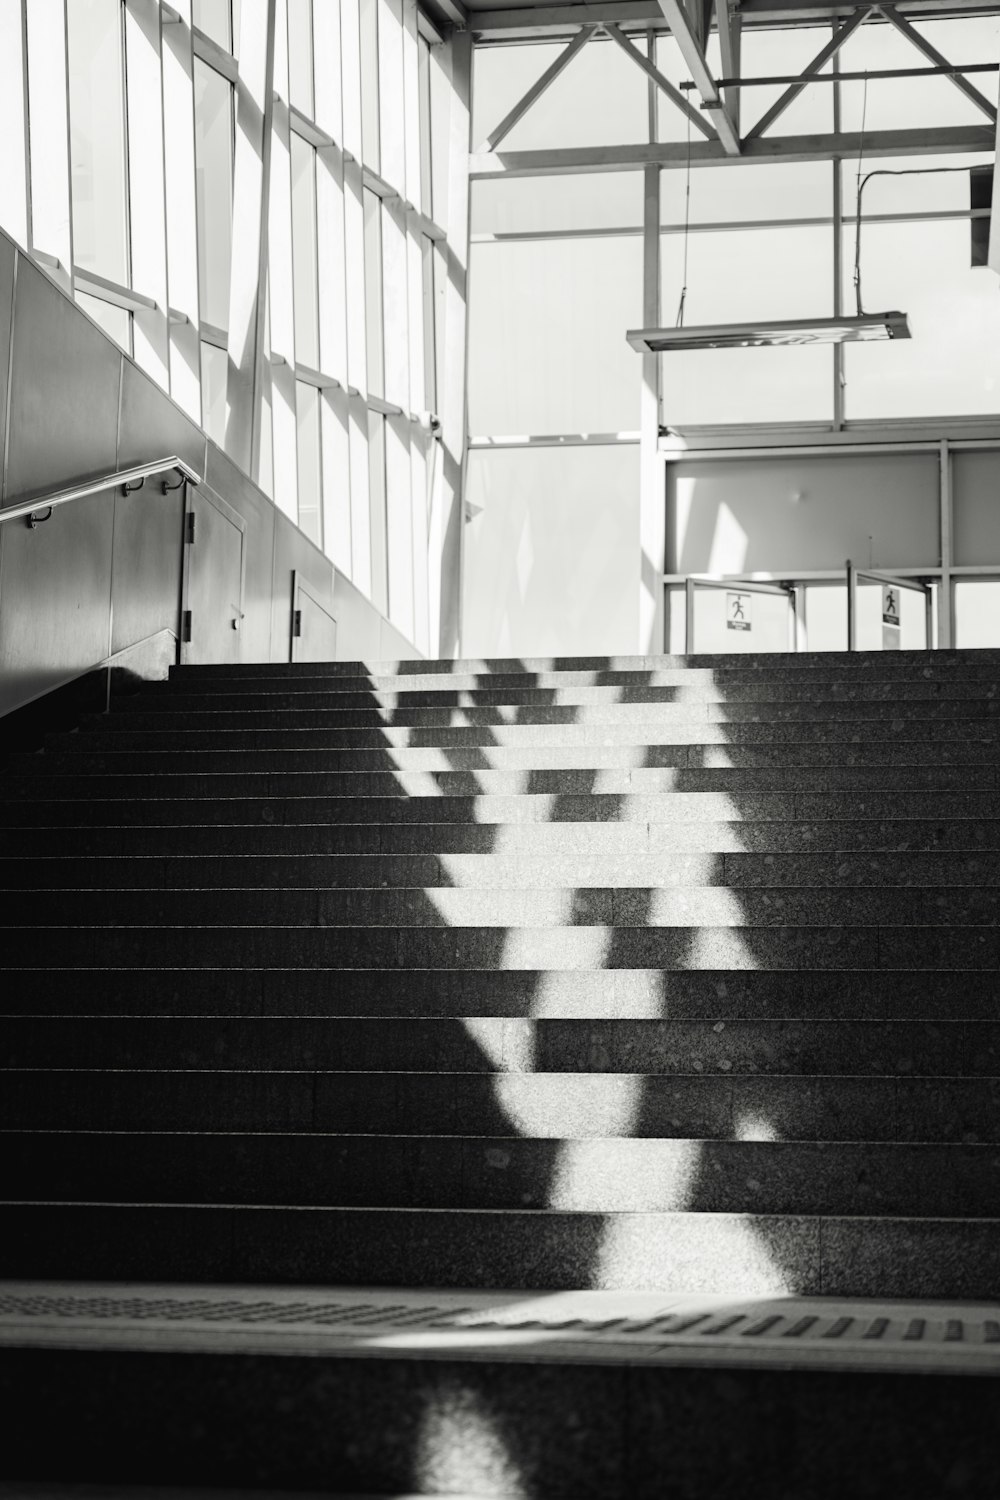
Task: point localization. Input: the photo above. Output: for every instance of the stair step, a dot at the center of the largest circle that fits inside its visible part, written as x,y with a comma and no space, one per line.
246,711
389,1384
860,663
572,947
728,1253
954,872
820,667
504,1172
716,1106
625,908
234,731
475,996
660,808
581,840
311,693
85,754
510,1045
133,783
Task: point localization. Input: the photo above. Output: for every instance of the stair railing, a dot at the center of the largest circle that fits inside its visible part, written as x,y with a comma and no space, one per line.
918,585
783,590
129,479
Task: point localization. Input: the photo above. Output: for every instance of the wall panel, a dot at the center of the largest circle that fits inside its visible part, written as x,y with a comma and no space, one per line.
55,592
782,514
64,400
146,576
152,426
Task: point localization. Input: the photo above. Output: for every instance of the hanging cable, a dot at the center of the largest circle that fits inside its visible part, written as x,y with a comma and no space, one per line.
857,228
687,228
862,183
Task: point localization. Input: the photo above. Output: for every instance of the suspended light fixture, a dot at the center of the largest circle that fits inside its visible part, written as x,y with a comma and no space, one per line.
866,328
775,333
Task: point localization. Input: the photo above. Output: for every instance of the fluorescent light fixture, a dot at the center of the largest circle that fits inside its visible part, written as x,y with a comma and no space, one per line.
864,329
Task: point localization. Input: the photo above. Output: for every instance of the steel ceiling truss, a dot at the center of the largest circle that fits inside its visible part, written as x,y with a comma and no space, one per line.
718,118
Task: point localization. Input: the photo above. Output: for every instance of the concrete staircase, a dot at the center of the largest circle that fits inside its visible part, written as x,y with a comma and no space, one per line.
660,974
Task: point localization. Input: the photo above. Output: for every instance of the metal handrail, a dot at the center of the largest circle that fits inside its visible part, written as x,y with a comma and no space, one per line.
693,582
125,477
918,585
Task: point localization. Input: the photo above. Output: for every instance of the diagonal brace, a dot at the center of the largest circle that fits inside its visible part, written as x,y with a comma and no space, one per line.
538,88
652,71
822,57
923,45
691,50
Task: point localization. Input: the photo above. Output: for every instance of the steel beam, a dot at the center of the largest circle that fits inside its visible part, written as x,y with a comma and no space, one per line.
691,50
539,86
793,148
822,57
923,45
565,18
730,26
993,252
652,71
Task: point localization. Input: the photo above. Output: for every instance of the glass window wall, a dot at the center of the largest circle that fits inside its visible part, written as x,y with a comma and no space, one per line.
310,517
213,118
305,281
300,55
97,137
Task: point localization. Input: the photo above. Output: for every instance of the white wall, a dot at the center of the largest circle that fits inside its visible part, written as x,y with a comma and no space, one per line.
552,556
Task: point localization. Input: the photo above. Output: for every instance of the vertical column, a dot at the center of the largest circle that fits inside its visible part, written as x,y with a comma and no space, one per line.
48,123
838,255
181,222
251,190
14,195
147,202
447,520
281,280
945,603
652,487
354,264
420,439
334,421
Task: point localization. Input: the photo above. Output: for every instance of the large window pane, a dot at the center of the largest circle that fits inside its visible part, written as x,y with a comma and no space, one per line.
950,367
430,336
910,184
213,18
735,277
213,119
775,190
671,123
368,12
908,103
424,97
300,55
599,99
310,497
607,200
304,252
379,593
114,320
373,293
547,343
769,53
214,372
977,612
97,137
741,274
551,561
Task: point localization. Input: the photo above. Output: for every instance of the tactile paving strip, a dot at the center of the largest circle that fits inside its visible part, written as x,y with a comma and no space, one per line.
594,1326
